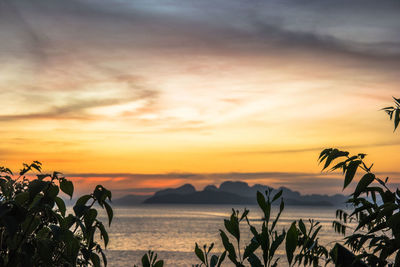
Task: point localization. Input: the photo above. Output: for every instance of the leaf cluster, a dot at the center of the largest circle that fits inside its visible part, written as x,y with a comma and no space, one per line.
310,252
394,112
150,260
375,210
204,257
35,229
260,251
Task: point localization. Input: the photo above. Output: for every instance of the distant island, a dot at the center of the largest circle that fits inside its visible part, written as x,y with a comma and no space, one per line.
229,192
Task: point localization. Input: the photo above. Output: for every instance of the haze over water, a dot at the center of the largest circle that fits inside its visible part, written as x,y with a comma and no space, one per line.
172,230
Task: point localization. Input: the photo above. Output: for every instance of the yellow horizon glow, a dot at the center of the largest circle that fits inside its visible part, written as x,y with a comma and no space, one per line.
190,97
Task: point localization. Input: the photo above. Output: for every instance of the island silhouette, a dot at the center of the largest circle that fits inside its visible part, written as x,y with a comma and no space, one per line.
228,192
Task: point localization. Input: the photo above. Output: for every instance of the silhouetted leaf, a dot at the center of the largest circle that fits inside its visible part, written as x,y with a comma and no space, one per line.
396,118
334,154
110,212
246,211
95,260
277,195
228,246
263,205
276,243
83,200
254,261
364,182
52,191
232,226
213,261
89,217
221,259
250,248
61,205
199,254
67,187
145,261
350,172
210,247
324,154
291,242
103,233
35,187
302,227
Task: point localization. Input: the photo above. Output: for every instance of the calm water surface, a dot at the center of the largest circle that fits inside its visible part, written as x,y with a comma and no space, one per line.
172,230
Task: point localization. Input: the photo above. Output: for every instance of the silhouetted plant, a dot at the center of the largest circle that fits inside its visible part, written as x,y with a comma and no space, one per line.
376,237
150,260
375,210
34,227
268,238
266,241
394,112
233,228
310,251
204,257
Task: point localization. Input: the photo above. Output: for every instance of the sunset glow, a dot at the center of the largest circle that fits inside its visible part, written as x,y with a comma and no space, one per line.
139,95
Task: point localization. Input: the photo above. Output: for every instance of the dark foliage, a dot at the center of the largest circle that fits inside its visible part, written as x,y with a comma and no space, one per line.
394,112
150,260
376,208
204,256
301,245
35,229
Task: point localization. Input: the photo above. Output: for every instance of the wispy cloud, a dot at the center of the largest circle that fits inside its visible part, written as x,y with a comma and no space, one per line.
306,183
77,106
201,86
317,149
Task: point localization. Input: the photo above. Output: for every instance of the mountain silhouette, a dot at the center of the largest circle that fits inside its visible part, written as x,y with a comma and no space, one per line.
229,192
184,189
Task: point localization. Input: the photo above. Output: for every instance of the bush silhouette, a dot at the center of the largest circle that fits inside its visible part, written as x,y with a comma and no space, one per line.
35,229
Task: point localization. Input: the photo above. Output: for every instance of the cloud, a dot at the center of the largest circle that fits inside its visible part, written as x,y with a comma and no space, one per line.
148,183
196,75
218,177
316,149
304,182
185,26
76,107
82,45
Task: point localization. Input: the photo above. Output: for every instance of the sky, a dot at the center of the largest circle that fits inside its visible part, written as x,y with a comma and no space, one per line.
140,95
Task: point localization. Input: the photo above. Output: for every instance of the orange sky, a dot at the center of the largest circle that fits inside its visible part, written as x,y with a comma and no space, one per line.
139,95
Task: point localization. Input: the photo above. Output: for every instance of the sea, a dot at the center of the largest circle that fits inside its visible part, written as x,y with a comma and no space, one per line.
172,230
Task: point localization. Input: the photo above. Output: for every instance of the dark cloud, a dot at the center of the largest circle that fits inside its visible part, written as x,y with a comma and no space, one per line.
12,19
283,177
133,190
220,176
131,182
224,25
308,183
